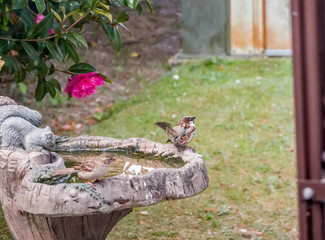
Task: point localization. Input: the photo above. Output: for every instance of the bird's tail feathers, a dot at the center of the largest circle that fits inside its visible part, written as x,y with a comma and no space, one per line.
64,171
164,125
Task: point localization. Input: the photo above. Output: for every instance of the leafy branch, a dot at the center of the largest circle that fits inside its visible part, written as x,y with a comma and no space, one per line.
33,33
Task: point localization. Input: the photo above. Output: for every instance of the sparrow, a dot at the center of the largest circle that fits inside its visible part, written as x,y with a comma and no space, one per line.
182,133
89,170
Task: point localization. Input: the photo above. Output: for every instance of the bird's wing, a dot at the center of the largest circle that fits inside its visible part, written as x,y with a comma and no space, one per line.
87,166
171,133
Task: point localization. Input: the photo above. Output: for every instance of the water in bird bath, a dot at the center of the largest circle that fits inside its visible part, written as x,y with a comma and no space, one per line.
126,164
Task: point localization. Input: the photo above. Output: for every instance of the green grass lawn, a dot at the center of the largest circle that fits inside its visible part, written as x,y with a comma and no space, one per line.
245,131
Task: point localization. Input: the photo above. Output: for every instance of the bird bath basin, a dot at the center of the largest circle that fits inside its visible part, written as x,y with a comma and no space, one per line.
75,210
125,164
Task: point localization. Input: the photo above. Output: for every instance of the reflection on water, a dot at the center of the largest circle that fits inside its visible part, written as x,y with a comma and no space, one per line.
130,164
135,169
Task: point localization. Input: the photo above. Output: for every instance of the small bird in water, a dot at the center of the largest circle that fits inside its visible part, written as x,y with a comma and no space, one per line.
89,170
182,133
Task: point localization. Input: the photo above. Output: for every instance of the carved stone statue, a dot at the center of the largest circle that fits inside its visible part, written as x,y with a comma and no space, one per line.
68,211
19,129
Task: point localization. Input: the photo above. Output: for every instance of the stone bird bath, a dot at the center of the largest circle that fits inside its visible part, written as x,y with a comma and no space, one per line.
36,210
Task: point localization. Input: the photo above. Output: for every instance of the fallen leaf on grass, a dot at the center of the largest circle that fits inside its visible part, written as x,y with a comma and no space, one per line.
250,233
110,105
67,127
78,125
258,233
91,122
134,55
92,43
213,210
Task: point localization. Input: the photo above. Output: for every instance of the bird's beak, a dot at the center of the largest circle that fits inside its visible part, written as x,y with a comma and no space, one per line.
193,118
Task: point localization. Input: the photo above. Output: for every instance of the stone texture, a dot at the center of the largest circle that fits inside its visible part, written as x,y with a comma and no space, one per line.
6,101
34,210
115,193
45,210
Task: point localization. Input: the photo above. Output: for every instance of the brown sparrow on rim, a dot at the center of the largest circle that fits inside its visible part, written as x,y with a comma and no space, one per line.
182,133
91,169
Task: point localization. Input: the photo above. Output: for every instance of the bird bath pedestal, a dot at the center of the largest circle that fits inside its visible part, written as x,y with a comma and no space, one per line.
35,210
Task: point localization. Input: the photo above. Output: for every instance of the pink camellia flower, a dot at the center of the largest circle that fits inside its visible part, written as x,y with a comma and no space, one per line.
84,85
51,32
39,17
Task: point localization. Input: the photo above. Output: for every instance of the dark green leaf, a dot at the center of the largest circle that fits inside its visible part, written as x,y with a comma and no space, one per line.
50,89
4,45
106,79
123,2
30,50
72,52
55,50
26,18
41,6
74,5
55,83
71,39
20,75
123,26
108,30
41,89
113,35
52,69
42,69
132,3
62,46
31,66
8,64
139,9
149,5
117,40
80,39
49,6
43,27
13,67
92,3
18,4
82,68
122,17
135,4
